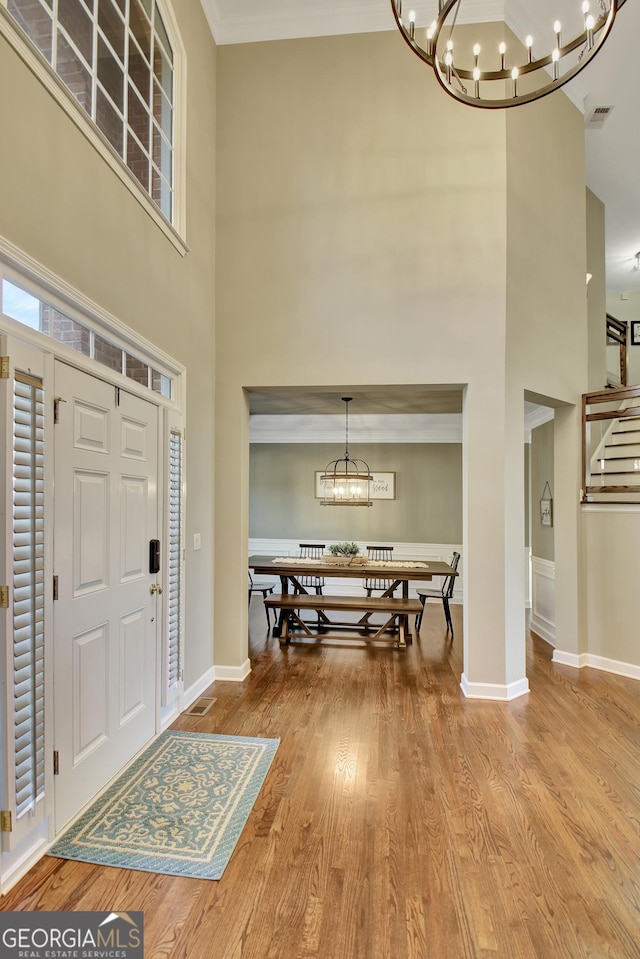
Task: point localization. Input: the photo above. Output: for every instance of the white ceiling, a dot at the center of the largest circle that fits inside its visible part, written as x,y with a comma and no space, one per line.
612,79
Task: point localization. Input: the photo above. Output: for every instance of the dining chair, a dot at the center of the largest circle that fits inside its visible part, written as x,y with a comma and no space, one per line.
265,588
312,551
444,593
372,583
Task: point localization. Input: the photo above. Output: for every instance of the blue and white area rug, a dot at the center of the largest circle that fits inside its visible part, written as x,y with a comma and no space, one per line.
178,809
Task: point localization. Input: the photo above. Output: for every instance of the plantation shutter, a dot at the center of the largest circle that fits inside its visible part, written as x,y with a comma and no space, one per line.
175,559
28,592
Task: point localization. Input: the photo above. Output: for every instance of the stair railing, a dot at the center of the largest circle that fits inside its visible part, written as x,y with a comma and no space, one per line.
617,480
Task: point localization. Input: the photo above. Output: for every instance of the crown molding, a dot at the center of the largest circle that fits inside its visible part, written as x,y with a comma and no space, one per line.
535,415
373,428
312,19
363,428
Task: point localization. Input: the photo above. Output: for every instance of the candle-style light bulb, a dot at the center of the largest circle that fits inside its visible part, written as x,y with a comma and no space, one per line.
589,25
476,80
555,56
448,62
502,49
476,54
557,27
515,73
529,45
412,24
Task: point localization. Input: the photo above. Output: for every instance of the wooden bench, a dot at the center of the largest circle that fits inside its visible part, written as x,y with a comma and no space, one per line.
397,609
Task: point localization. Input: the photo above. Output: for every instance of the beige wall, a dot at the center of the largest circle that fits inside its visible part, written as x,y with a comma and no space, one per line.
596,294
343,208
546,353
427,507
363,232
61,204
612,555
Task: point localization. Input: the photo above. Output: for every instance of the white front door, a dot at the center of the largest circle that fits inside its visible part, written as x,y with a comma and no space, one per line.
105,616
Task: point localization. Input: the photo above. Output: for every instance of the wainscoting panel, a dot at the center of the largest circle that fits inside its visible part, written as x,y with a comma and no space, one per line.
416,552
543,599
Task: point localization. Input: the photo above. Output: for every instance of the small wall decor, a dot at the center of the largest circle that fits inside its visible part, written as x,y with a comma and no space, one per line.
546,506
635,333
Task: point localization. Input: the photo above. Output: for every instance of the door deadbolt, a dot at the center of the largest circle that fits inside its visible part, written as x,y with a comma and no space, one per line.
155,588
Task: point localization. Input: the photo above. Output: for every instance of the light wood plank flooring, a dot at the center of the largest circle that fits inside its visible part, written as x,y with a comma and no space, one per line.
401,821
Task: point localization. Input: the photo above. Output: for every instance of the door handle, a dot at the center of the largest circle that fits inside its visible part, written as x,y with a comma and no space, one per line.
155,588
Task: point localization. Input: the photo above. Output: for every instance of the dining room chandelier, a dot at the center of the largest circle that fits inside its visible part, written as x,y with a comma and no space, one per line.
504,76
346,481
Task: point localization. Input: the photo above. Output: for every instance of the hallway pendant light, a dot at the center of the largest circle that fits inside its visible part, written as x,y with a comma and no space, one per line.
499,77
346,482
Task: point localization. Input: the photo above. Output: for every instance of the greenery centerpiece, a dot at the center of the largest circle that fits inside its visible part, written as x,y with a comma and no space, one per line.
344,554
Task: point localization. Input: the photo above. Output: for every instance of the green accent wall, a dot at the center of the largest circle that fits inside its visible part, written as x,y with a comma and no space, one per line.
427,507
542,537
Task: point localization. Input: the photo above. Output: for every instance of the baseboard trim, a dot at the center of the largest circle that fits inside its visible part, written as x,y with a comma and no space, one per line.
579,661
495,691
190,695
544,629
233,674
18,870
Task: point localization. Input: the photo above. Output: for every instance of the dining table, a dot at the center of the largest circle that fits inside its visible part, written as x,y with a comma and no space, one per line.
398,573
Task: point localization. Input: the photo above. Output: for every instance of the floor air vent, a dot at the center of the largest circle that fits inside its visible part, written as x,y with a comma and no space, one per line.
200,707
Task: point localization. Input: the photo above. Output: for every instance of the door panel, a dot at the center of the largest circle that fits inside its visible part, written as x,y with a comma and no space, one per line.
90,532
105,619
134,547
134,439
132,664
91,427
90,667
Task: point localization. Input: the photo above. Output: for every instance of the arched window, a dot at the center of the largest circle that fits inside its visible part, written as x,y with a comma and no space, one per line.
116,59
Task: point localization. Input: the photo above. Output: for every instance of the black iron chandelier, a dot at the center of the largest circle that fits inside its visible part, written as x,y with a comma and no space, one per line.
504,77
346,481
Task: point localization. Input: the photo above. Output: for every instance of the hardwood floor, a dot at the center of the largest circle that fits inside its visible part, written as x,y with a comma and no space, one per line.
400,820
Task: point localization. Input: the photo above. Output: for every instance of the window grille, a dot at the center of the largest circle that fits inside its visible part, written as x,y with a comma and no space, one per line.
28,592
115,58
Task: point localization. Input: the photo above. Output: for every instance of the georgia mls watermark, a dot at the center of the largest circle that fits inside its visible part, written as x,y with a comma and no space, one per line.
71,935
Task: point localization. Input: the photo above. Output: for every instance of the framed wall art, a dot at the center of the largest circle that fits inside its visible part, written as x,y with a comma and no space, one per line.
546,506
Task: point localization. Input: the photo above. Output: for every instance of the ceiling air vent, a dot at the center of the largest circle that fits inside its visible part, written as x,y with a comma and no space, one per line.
597,117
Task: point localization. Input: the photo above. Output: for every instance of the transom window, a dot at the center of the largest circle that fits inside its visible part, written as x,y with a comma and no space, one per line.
116,59
39,314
